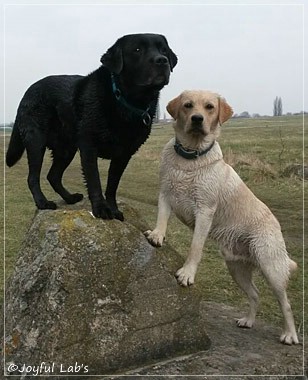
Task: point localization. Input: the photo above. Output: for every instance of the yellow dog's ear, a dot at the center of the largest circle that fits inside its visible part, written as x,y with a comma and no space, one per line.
173,107
225,111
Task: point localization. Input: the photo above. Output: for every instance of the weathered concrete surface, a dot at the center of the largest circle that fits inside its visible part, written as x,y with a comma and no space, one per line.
95,293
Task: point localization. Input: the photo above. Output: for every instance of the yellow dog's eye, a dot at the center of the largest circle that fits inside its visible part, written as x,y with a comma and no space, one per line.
188,105
209,106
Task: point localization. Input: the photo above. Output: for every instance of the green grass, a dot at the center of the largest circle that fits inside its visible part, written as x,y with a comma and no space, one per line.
259,149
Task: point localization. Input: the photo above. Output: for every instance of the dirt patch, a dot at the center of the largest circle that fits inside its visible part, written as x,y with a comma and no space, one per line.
234,354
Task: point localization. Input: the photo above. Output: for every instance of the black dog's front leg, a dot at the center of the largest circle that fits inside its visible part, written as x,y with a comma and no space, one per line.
116,169
100,207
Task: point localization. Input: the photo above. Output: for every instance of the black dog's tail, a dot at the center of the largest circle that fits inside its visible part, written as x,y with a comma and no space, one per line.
15,149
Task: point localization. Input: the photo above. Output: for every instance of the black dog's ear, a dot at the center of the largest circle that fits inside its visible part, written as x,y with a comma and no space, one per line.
113,58
173,59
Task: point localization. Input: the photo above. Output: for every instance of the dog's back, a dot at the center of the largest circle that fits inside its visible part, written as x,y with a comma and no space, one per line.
45,105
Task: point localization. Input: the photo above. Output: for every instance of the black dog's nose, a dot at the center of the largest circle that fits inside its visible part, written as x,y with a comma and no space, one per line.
161,60
197,118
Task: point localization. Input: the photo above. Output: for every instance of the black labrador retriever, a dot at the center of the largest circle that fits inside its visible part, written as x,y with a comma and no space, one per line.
106,114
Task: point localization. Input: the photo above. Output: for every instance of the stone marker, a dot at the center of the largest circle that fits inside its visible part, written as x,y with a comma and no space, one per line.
92,297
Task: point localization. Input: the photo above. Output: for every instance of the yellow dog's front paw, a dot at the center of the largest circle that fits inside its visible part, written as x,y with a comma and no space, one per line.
154,237
186,275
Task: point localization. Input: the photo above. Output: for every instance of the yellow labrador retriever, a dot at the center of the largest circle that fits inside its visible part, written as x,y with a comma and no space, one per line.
207,195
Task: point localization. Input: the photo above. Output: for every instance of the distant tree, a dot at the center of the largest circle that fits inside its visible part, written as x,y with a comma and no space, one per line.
275,106
244,114
279,106
277,110
255,115
300,113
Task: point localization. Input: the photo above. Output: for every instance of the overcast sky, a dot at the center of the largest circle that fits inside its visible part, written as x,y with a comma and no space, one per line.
247,53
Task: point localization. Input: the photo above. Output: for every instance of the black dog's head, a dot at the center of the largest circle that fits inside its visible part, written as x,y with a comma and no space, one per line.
143,59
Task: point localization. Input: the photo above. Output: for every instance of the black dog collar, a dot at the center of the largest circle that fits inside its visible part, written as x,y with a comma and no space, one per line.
144,114
191,154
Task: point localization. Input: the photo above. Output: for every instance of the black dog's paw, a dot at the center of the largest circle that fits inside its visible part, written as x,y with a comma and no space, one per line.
102,210
117,214
46,205
74,198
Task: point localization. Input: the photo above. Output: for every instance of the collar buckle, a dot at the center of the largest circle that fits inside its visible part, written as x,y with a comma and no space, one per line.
146,119
117,94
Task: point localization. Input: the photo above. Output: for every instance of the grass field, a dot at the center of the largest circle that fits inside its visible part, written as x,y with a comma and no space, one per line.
259,149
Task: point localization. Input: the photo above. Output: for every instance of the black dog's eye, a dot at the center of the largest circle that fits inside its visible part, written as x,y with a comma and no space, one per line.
162,49
209,106
137,50
188,105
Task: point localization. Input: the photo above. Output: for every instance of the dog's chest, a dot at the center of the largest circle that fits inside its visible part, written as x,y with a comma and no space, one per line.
184,194
112,141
